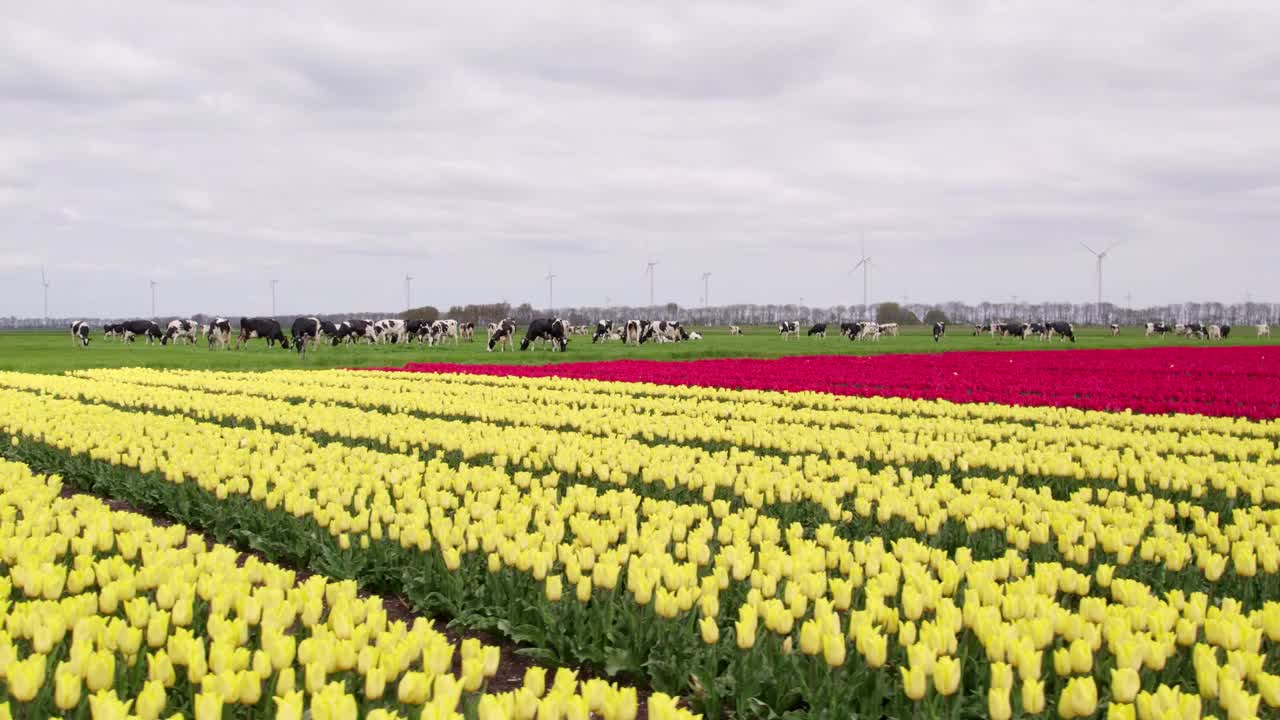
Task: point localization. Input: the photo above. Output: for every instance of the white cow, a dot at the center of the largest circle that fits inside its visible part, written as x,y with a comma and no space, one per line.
789,329
735,330
1264,330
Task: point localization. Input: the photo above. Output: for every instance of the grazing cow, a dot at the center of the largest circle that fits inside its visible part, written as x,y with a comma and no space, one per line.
863,330
819,329
939,329
1014,329
789,329
889,329
1214,332
981,329
1064,329
1115,330
1158,328
664,331
113,331
219,333
442,330
259,327
180,330
145,328
351,331
1264,330
502,334
389,330
631,333
1195,330
80,333
549,329
468,331
603,329
850,329
1225,330
695,336
1039,329
735,330
306,330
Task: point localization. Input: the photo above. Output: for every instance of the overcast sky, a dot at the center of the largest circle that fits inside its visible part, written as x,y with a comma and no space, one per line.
474,145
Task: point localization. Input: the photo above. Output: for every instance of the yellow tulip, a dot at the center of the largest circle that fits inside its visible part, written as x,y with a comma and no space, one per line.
710,631
946,675
554,588
1033,696
375,683
914,682
289,706
25,677
1078,699
875,649
1122,711
151,700
535,680
66,689
998,704
208,706
100,671
1125,685
833,649
413,688
104,705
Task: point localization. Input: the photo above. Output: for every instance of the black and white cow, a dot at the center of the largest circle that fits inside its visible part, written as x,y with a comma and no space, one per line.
632,332
889,329
467,330
1065,330
180,330
789,329
867,330
219,333
1195,330
1158,328
663,331
113,331
1226,330
502,335
446,329
1015,329
144,328
260,327
307,331
552,330
604,328
389,330
80,333
819,329
1115,329
735,330
695,336
352,331
1264,329
939,330
850,329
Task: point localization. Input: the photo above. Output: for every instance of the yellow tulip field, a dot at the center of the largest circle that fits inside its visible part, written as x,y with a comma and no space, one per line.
754,554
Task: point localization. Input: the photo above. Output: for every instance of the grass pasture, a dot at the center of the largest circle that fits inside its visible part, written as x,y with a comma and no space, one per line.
53,351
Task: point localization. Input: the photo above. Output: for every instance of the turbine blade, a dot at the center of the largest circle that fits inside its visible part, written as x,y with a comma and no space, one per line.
1086,247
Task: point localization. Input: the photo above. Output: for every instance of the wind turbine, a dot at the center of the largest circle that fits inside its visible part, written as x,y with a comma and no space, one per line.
551,288
273,297
408,301
153,300
1100,256
649,269
865,264
44,282
706,290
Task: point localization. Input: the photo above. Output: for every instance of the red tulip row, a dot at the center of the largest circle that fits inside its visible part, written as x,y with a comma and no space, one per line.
1221,381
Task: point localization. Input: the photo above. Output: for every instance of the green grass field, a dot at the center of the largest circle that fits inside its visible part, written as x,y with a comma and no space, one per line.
32,351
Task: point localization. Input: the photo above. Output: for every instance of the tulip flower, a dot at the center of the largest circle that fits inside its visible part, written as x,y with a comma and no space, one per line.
1078,699
66,692
151,700
25,677
998,704
1125,685
946,675
914,682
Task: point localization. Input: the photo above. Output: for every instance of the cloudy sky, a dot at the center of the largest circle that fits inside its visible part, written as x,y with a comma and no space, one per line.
336,147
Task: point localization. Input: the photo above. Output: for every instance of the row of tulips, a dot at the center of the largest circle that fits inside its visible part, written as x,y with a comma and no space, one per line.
1224,381
670,450
106,612
1085,528
660,571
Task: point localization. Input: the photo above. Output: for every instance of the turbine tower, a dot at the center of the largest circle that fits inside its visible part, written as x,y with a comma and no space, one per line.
44,283
865,264
408,298
1101,256
273,296
551,289
649,269
153,300
706,290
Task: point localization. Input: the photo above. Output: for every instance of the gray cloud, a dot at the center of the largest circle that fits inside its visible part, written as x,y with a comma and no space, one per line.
337,148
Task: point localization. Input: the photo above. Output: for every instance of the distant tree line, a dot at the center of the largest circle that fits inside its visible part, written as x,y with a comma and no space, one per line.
1250,313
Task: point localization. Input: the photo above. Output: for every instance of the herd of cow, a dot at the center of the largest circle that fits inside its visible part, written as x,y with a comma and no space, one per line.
307,331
